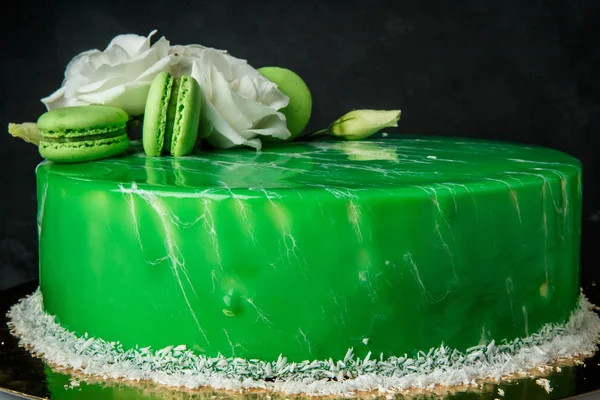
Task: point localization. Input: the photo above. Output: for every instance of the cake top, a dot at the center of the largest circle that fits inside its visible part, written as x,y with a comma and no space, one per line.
380,163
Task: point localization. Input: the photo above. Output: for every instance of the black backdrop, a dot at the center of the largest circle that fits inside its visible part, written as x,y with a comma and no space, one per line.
514,70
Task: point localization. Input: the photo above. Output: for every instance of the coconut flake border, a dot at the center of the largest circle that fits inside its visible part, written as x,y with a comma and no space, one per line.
180,367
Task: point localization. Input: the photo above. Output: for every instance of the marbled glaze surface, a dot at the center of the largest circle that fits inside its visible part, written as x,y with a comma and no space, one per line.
388,246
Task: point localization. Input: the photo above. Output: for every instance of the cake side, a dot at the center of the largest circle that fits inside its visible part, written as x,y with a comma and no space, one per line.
307,250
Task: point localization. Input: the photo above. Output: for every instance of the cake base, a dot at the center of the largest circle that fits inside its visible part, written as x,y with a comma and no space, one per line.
439,368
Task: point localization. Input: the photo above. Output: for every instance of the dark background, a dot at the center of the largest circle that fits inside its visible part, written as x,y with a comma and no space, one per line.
515,70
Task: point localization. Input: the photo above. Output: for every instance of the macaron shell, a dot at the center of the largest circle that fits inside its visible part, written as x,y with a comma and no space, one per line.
155,114
171,115
187,117
299,109
82,120
87,150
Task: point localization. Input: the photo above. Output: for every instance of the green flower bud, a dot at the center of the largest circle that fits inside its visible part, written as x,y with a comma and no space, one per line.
360,124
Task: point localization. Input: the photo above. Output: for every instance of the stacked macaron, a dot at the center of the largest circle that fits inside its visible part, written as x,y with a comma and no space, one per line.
171,116
82,133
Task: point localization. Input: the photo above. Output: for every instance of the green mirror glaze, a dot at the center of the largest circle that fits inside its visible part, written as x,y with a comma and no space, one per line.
308,249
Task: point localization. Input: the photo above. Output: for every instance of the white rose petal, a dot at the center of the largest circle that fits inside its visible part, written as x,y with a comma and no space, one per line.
119,76
239,104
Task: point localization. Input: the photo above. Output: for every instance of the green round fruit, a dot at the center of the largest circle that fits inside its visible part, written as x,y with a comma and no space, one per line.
299,109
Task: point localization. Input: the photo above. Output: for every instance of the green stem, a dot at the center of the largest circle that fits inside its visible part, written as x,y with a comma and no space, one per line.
320,132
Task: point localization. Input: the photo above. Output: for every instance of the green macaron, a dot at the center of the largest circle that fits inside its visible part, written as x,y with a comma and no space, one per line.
172,115
299,109
82,133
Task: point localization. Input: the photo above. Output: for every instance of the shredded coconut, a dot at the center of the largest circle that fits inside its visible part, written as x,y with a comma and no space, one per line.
545,383
177,366
74,383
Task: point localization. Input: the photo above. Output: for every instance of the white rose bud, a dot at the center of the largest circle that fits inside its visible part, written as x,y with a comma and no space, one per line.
360,124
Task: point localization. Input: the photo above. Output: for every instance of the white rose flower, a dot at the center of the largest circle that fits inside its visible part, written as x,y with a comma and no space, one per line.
239,104
119,76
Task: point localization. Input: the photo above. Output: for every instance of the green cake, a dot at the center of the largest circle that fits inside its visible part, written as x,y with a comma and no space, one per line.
310,266
324,268
307,250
